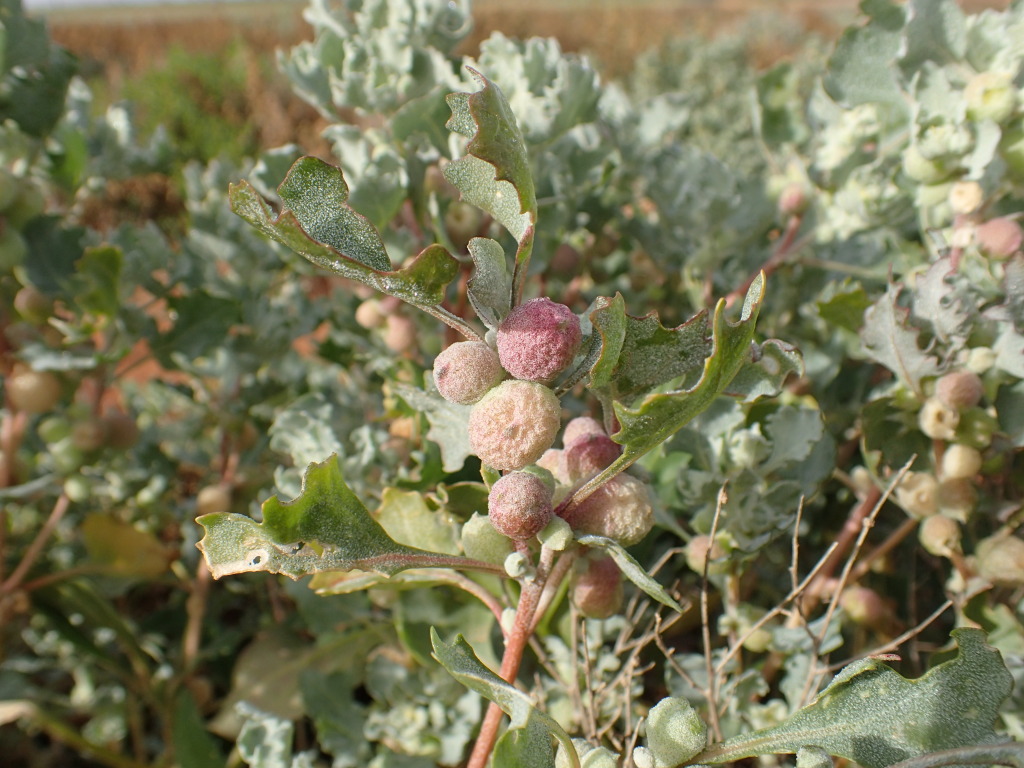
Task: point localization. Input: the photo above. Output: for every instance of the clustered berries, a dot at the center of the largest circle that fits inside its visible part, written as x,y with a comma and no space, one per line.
513,421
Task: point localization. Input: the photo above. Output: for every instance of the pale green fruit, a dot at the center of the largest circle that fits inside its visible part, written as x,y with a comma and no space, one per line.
675,732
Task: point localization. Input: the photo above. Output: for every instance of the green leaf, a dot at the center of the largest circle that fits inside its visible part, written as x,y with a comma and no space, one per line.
652,354
490,287
52,253
121,549
495,173
610,322
890,340
936,30
764,374
631,569
861,71
194,747
532,746
325,529
661,415
316,193
448,424
846,308
97,280
875,717
408,520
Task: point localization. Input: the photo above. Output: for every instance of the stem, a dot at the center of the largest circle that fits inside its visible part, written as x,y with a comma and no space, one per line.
36,547
451,320
787,245
60,731
515,645
195,608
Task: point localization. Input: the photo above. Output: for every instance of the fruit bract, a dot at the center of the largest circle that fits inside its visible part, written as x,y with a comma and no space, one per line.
538,340
514,424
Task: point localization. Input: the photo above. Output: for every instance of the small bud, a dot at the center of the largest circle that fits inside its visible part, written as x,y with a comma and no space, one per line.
957,498
675,732
921,169
519,505
466,371
508,620
939,535
1000,560
557,535
866,607
960,461
959,389
794,200
980,359
917,493
538,339
991,96
643,758
701,549
213,498
965,197
516,565
620,509
937,420
369,314
514,424
597,591
999,238
400,334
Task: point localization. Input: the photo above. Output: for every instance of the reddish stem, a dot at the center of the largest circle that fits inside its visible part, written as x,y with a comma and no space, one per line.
515,646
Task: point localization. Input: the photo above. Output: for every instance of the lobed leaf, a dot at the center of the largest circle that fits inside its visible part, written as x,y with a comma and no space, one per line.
325,529
532,729
660,415
319,225
873,716
890,340
495,173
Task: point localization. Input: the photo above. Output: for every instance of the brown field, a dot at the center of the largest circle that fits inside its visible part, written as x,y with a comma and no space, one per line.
118,43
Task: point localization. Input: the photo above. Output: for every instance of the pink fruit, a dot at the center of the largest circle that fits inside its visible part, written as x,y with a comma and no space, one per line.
514,424
597,591
538,340
466,371
619,509
519,505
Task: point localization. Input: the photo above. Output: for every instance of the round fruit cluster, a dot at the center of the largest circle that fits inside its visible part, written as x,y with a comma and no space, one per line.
512,421
946,498
512,427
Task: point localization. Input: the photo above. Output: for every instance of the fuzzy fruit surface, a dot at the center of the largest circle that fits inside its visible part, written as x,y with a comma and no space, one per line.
538,340
514,424
1000,238
519,505
466,371
675,732
619,509
589,454
959,389
597,591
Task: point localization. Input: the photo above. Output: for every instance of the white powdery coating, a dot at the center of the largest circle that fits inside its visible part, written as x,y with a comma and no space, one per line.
519,505
514,424
538,340
619,509
466,371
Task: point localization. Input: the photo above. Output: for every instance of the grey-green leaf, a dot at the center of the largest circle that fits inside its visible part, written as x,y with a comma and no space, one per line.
873,716
535,727
325,529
